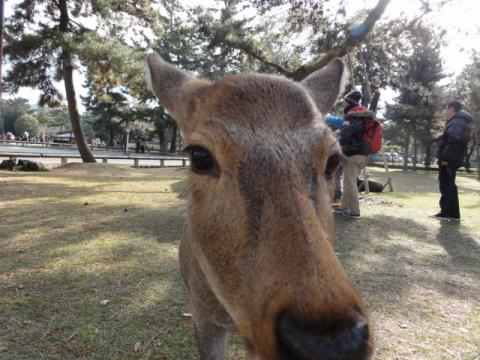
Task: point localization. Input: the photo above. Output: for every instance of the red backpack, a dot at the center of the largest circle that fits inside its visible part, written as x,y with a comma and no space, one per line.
373,134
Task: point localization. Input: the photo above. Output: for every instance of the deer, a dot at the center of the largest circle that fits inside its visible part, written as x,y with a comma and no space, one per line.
257,252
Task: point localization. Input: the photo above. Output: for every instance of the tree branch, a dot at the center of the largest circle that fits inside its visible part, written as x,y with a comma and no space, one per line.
357,35
245,48
351,42
257,55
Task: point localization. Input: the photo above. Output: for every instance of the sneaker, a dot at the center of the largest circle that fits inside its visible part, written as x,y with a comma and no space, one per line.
338,210
440,216
351,215
337,203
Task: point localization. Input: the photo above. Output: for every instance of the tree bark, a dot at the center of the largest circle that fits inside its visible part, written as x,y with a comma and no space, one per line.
415,148
67,69
428,155
405,154
173,142
366,85
110,135
161,135
469,153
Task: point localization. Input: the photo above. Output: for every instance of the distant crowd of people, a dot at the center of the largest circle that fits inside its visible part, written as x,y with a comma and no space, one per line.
41,137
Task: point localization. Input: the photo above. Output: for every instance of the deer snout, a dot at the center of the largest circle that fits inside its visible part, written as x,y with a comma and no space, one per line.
346,339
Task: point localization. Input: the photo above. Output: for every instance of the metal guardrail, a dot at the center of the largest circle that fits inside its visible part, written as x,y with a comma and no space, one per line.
131,146
105,158
23,143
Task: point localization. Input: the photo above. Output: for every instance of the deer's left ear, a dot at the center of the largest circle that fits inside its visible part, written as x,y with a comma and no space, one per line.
326,84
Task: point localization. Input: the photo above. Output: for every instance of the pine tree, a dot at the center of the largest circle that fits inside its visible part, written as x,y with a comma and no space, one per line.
14,109
419,71
467,91
45,40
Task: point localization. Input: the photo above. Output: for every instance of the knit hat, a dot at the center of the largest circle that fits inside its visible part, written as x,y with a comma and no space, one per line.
353,97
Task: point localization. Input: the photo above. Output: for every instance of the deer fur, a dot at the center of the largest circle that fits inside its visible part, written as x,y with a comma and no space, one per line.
257,253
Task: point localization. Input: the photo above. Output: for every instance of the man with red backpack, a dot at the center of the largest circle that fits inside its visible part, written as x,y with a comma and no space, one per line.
358,138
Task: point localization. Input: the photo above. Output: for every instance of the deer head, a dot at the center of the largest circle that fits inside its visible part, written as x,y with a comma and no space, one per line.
260,226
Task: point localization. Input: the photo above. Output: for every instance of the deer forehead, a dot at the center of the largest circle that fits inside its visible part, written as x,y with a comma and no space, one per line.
253,111
258,101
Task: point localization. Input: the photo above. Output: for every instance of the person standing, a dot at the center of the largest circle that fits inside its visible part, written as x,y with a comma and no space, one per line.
451,155
355,150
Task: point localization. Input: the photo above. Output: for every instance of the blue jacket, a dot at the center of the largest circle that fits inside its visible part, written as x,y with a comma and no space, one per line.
455,138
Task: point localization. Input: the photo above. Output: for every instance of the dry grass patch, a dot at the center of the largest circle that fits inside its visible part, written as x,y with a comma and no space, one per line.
89,268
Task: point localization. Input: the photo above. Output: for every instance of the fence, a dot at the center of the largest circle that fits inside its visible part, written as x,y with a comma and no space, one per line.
162,160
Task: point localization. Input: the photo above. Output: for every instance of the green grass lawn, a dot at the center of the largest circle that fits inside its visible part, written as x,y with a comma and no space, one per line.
88,266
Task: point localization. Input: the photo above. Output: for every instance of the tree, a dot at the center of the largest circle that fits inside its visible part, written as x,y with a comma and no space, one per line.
419,71
109,110
467,91
28,123
14,109
57,117
44,40
330,35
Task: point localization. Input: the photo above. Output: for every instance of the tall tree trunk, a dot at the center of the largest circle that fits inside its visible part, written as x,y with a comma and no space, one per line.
161,126
67,69
469,154
366,85
405,154
415,153
173,142
111,135
428,155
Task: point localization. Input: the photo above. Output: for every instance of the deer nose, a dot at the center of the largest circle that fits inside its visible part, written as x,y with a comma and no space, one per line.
311,341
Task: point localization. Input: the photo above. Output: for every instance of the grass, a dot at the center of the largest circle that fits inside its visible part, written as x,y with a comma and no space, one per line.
88,266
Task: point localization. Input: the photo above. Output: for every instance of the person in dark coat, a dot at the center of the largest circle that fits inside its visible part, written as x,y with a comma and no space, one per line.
451,155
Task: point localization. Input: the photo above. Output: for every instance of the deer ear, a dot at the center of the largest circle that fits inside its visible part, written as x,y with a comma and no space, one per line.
326,84
176,90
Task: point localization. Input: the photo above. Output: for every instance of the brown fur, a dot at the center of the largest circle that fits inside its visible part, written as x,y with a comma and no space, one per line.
258,237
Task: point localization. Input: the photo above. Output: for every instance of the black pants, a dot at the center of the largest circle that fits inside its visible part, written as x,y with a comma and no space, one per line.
449,200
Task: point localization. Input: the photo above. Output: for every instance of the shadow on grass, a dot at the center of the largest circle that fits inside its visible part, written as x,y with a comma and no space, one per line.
60,259
463,250
30,190
22,189
67,224
386,256
180,188
60,315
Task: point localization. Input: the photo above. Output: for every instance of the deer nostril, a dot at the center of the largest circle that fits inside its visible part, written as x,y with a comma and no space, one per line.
309,342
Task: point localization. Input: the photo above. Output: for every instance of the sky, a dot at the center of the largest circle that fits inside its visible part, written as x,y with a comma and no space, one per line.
460,19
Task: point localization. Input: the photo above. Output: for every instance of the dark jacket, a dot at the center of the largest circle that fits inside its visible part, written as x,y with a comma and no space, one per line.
455,138
351,134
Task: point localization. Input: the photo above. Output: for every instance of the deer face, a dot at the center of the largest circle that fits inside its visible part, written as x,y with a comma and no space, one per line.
260,224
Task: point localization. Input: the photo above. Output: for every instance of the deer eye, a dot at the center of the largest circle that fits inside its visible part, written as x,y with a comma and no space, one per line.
333,163
201,161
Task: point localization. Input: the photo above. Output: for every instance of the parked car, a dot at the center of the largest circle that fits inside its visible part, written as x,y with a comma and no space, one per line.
394,157
376,157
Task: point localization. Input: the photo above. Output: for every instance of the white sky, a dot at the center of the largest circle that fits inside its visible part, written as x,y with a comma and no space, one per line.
460,18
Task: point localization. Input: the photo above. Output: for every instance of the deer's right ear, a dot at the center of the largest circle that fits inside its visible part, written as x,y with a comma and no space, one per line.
176,90
326,84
